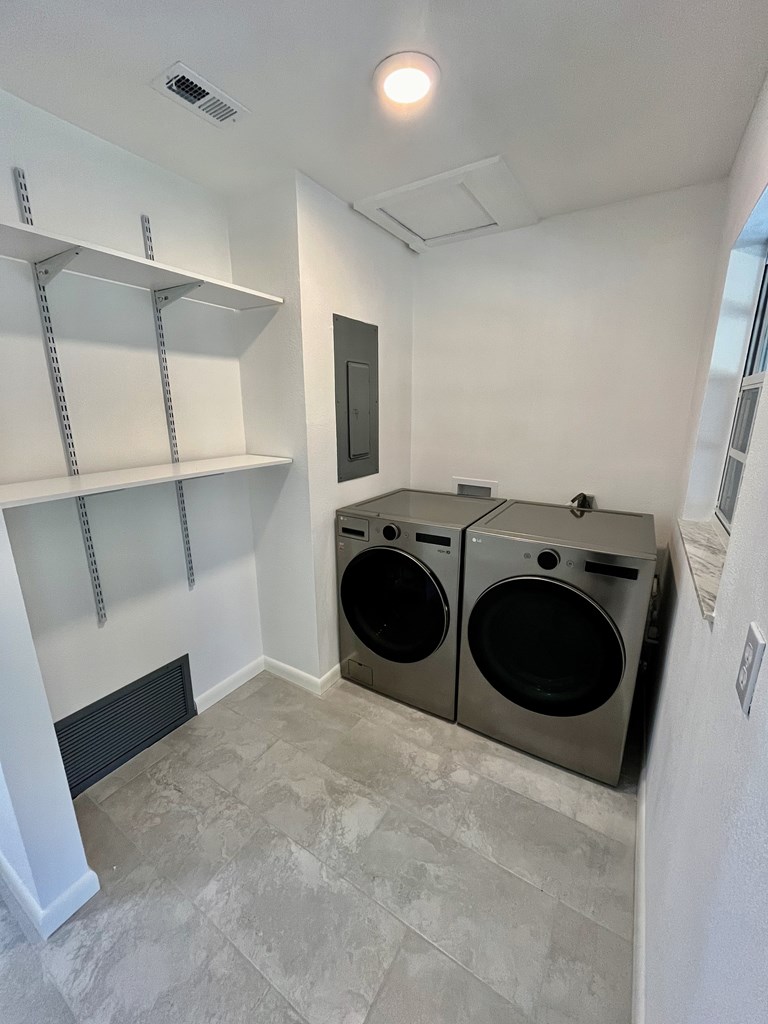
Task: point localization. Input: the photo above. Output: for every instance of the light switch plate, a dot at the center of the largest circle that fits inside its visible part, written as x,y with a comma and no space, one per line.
749,669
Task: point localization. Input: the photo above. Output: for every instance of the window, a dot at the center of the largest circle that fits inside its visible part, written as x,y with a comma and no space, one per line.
746,408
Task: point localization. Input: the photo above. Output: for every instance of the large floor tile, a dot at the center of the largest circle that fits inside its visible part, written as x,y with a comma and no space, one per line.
429,784
11,935
601,807
181,820
589,974
410,723
105,787
108,851
297,716
273,1009
326,812
493,923
608,810
220,742
323,944
143,953
424,986
582,867
26,994
247,689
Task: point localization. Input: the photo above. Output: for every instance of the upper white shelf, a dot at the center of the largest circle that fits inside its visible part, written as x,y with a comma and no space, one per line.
21,242
32,492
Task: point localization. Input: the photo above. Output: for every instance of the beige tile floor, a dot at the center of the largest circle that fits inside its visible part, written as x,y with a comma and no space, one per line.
288,859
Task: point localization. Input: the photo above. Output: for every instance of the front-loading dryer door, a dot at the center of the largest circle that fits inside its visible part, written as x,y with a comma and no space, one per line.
394,604
546,646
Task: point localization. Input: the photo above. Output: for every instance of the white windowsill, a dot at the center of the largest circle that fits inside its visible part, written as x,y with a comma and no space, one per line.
705,550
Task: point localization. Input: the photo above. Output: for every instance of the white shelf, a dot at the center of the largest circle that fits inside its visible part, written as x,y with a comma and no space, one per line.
32,492
21,242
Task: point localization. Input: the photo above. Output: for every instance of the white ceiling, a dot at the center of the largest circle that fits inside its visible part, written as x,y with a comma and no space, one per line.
588,101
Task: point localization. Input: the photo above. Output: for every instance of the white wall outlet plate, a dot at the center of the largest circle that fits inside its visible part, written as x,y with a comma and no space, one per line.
749,669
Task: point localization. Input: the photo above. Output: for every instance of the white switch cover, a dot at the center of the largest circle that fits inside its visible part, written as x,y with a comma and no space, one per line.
749,669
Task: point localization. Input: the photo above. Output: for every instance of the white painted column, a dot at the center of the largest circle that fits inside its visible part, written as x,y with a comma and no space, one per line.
41,853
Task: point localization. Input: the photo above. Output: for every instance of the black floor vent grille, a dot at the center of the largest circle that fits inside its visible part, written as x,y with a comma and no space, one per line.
97,739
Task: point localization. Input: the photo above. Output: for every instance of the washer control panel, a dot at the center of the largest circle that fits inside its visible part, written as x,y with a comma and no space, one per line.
548,559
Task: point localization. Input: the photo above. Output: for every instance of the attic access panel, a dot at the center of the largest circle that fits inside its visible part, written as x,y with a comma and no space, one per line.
477,199
356,367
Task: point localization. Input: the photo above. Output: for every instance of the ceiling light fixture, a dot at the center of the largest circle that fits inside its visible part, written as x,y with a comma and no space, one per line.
406,78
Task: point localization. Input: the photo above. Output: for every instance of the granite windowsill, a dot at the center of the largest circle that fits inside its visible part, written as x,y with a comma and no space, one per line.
705,552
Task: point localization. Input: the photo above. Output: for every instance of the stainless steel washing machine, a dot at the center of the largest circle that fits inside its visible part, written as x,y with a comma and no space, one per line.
399,559
555,606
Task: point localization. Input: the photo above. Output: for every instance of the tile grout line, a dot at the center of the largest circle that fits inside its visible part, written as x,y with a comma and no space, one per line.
386,975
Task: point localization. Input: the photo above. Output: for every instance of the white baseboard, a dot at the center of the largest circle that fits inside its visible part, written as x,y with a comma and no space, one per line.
46,920
226,686
315,685
638,969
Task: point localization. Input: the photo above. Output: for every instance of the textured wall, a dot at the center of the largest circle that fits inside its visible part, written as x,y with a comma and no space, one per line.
707,801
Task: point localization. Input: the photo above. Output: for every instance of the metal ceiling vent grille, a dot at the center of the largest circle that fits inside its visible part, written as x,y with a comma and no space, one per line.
99,738
194,92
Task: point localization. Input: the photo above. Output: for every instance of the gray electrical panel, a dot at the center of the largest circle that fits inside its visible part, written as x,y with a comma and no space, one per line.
356,362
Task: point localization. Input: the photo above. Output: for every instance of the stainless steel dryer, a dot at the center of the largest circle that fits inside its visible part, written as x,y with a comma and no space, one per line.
399,560
555,605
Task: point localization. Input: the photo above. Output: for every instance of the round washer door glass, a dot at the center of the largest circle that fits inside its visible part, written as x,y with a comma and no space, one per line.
546,646
394,604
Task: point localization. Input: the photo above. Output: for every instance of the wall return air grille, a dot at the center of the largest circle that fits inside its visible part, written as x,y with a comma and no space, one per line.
99,738
197,94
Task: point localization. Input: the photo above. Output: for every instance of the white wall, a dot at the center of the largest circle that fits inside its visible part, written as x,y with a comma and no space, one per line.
265,248
86,188
349,266
707,804
560,358
41,854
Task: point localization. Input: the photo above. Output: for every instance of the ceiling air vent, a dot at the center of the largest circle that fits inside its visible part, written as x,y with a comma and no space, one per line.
195,93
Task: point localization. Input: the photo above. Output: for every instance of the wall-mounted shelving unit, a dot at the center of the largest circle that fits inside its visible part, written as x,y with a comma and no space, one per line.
33,492
22,242
50,255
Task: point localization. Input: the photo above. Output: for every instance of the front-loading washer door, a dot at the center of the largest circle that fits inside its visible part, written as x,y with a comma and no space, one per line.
546,646
394,604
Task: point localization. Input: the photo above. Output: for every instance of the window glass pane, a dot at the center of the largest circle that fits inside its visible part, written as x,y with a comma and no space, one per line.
745,417
730,488
758,350
761,356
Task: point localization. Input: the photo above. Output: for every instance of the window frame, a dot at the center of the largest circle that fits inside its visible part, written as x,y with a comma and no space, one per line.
752,379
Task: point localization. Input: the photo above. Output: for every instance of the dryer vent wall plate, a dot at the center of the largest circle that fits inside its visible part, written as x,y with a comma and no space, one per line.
477,199
193,92
476,488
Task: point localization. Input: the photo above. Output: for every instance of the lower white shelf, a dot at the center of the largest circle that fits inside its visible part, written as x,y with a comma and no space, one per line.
32,492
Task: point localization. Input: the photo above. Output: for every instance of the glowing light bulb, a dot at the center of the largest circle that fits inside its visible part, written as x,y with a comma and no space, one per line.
406,78
407,85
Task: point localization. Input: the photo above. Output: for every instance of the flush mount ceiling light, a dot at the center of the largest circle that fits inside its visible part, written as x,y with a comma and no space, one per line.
406,78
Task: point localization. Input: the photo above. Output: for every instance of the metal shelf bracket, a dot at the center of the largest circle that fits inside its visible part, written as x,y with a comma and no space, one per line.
45,271
161,298
165,296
